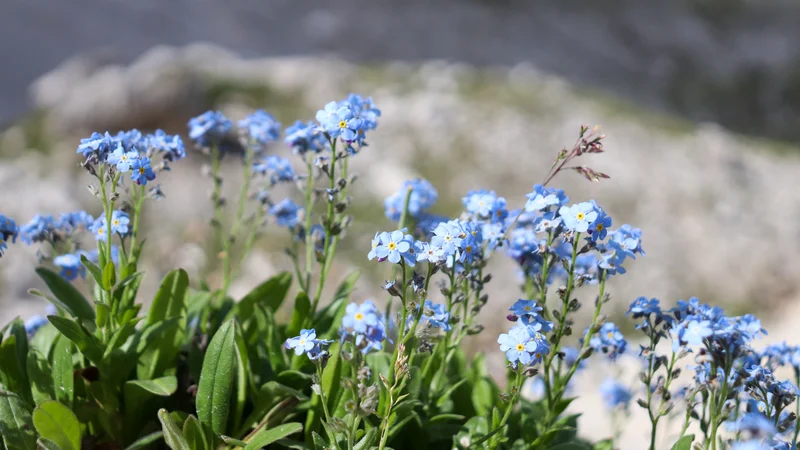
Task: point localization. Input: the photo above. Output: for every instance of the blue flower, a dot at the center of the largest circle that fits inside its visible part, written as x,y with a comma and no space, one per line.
518,345
171,146
543,197
359,317
39,229
365,323
615,394
427,252
393,246
261,127
757,425
339,121
119,222
480,202
97,146
8,231
74,221
578,217
93,255
308,343
305,137
142,172
571,358
599,228
209,128
33,324
277,169
99,229
525,308
642,307
71,266
423,195
609,341
493,234
130,140
365,109
628,239
122,159
434,314
448,237
287,213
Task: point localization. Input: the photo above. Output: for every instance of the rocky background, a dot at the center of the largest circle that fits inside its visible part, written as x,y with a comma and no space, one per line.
699,99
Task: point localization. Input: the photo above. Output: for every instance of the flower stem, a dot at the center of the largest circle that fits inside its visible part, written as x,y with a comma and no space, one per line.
227,272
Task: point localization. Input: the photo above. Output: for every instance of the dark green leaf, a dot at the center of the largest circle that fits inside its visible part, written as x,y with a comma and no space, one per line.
163,387
449,392
368,440
40,374
446,418
109,276
266,437
269,294
46,444
172,434
319,442
87,343
63,380
13,375
302,308
93,269
145,441
16,424
67,296
217,378
169,304
195,436
59,424
684,443
44,339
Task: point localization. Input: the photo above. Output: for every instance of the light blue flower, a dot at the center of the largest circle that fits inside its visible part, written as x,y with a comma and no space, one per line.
170,146
615,394
518,345
434,314
277,169
393,246
209,128
448,237
423,196
261,127
308,343
286,213
578,217
119,222
141,171
360,317
543,197
305,137
122,159
70,265
339,121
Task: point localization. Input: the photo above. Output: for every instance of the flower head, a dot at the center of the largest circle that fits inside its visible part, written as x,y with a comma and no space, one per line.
609,341
70,265
543,197
287,213
97,146
40,228
122,159
261,128
339,121
141,171
519,345
170,146
421,196
276,169
578,217
433,314
8,231
305,137
209,128
365,324
308,343
393,246
615,394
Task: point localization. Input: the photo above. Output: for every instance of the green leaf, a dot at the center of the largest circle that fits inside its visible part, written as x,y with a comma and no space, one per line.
217,378
331,384
46,444
571,446
67,296
12,374
368,440
446,418
195,436
93,269
302,308
169,303
18,330
109,276
449,392
684,443
244,376
63,371
45,338
16,425
319,442
145,441
40,374
172,434
266,437
163,387
87,343
59,424
270,294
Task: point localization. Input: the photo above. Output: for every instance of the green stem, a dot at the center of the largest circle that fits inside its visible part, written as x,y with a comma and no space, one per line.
309,206
515,390
324,402
139,197
563,322
797,406
227,273
330,219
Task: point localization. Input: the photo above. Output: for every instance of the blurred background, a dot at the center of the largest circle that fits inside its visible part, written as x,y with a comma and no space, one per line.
700,100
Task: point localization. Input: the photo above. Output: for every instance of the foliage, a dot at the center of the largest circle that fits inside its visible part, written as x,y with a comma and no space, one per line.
203,370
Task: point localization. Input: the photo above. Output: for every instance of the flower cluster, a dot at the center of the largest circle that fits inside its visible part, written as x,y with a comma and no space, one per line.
421,197
349,120
365,324
8,231
526,342
433,314
609,341
308,343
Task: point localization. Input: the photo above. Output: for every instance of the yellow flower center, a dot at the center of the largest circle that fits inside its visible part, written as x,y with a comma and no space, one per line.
374,244
302,342
101,231
342,124
580,216
610,334
599,227
520,347
359,316
392,246
448,238
141,170
116,222
469,249
526,308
